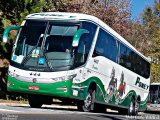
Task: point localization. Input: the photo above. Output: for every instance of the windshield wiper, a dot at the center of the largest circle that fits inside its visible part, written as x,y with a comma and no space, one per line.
43,49
48,62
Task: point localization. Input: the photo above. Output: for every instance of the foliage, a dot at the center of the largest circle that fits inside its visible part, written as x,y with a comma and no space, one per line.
146,37
16,10
115,13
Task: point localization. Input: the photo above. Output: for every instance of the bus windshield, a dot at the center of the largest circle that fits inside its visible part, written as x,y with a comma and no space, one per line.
44,46
154,95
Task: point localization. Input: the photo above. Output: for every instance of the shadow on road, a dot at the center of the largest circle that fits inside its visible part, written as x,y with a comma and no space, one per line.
111,117
64,108
152,112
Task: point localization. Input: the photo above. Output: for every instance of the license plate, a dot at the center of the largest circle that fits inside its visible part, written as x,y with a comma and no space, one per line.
33,87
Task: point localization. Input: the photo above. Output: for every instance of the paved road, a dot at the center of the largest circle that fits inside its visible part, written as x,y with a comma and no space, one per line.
54,112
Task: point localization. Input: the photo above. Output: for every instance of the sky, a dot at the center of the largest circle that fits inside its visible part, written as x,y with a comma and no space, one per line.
139,5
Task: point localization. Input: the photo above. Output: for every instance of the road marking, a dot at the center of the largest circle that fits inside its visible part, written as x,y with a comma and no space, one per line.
9,110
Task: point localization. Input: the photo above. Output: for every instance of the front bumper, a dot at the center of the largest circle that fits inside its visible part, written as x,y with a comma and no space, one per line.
59,89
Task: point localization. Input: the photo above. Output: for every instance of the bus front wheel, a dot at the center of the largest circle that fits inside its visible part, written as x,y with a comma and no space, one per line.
88,104
35,101
131,109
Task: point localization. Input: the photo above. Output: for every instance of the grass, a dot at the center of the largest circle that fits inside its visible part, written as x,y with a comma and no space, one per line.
13,101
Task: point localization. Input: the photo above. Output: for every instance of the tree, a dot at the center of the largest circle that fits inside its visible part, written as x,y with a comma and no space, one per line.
115,13
146,37
12,12
151,20
1,27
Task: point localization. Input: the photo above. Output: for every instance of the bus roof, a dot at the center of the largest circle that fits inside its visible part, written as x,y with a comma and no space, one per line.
80,16
155,83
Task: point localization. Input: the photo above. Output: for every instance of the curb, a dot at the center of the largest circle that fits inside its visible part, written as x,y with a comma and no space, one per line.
49,106
14,104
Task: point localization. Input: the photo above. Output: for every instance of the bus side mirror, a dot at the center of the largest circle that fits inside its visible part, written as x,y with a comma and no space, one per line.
7,30
77,36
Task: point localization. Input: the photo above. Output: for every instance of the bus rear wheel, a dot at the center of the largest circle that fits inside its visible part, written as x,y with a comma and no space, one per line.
131,109
137,107
35,101
88,104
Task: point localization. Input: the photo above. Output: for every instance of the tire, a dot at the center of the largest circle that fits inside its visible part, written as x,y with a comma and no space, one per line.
35,101
131,109
137,107
88,104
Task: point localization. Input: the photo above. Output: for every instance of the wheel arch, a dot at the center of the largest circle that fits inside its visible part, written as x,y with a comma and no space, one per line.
133,97
92,85
138,99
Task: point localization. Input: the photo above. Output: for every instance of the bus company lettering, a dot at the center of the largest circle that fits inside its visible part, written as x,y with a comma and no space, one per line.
140,84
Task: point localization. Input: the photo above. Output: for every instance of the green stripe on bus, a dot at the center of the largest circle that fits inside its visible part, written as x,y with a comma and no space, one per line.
101,95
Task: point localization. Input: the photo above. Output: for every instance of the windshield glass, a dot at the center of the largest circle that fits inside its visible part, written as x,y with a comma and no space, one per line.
44,46
59,38
154,94
28,37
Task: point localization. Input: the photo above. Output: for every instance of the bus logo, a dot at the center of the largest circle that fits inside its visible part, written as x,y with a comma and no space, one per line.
34,80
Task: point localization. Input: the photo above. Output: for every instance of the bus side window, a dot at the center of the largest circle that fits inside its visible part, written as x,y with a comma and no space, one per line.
99,48
81,52
132,61
85,43
106,46
123,57
126,57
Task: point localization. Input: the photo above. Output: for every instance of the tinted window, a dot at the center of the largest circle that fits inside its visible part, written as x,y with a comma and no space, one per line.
106,46
63,30
88,38
132,61
125,56
85,43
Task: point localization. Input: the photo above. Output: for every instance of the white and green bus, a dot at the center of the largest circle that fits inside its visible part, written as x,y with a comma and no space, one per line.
73,56
154,98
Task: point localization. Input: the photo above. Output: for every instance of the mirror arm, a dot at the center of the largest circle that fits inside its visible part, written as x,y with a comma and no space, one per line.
7,30
77,36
